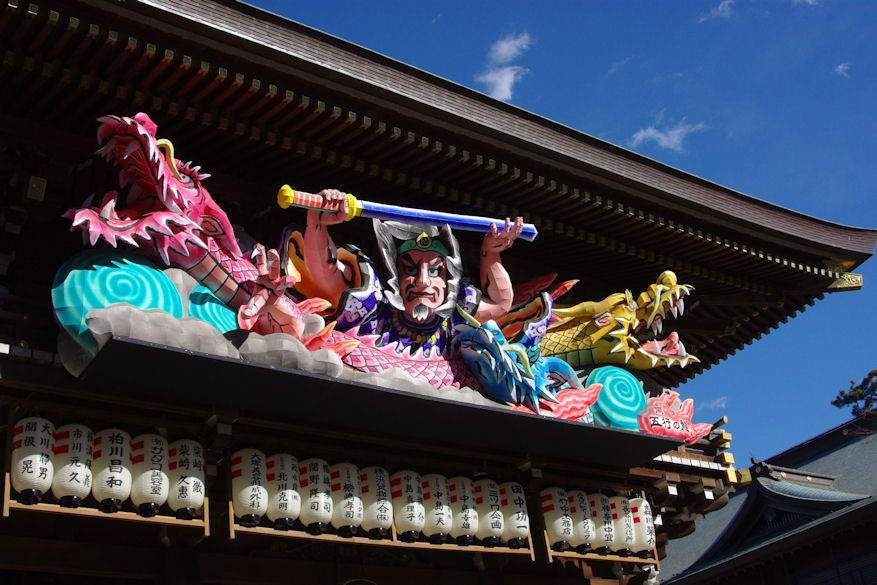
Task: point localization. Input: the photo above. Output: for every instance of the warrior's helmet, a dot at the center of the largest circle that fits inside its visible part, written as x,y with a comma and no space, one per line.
395,238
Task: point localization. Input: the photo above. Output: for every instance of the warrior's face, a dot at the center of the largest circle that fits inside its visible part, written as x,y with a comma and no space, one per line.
423,283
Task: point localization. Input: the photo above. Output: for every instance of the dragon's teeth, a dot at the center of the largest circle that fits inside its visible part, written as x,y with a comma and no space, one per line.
108,209
130,149
675,311
680,304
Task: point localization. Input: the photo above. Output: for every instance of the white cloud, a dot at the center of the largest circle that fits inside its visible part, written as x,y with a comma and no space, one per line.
720,402
808,2
723,10
508,49
500,78
616,67
501,81
843,70
667,137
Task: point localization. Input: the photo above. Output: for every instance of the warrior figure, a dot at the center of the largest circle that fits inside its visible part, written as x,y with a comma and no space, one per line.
417,309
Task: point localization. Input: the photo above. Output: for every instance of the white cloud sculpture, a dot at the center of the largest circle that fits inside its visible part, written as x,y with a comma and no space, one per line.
671,138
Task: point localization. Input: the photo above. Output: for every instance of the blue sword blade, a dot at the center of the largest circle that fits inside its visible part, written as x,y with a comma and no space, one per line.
472,223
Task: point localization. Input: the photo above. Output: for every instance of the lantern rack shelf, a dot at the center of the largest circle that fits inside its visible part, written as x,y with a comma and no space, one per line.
11,504
235,529
553,554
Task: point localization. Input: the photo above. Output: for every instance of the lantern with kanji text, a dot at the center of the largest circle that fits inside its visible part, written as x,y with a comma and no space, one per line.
406,488
284,498
347,506
316,510
32,461
111,469
186,477
249,493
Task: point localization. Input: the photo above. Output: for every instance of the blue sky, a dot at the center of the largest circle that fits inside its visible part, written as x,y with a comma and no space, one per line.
772,98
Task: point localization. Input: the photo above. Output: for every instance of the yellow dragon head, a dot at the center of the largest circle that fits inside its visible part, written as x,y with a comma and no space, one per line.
606,332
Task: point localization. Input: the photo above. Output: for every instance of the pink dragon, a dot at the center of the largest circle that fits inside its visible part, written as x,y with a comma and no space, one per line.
164,210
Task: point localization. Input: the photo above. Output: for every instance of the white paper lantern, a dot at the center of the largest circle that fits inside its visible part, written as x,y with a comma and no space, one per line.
406,488
622,519
556,514
516,520
463,507
186,475
111,468
437,505
284,499
32,460
487,504
346,498
643,528
584,534
149,467
601,511
249,492
316,510
73,454
377,514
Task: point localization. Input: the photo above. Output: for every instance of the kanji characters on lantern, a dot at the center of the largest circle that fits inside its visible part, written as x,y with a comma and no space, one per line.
516,521
556,514
490,518
377,516
436,503
149,467
406,488
186,478
32,462
284,497
111,467
73,454
584,534
249,493
347,509
316,510
462,502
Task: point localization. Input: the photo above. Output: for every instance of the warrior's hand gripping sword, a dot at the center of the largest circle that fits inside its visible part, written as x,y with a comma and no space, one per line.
287,196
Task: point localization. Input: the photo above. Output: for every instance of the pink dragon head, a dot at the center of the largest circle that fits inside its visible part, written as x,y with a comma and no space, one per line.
160,202
659,417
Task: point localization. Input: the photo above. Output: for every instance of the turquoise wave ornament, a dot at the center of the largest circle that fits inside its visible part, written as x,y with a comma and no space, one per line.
206,306
95,279
621,399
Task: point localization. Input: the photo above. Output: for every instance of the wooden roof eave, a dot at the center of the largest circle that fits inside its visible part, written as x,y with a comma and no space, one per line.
441,102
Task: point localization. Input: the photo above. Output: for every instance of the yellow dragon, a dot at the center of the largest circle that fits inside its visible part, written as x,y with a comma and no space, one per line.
604,332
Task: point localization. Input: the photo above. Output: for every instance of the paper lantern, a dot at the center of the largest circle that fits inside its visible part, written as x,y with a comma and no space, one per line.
490,520
377,513
346,498
284,499
406,488
462,502
149,466
437,505
556,515
516,521
643,528
186,475
601,512
72,458
111,468
248,486
584,533
316,510
32,463
622,519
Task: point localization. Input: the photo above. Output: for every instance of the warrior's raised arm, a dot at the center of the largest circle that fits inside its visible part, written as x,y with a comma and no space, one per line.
495,282
331,276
